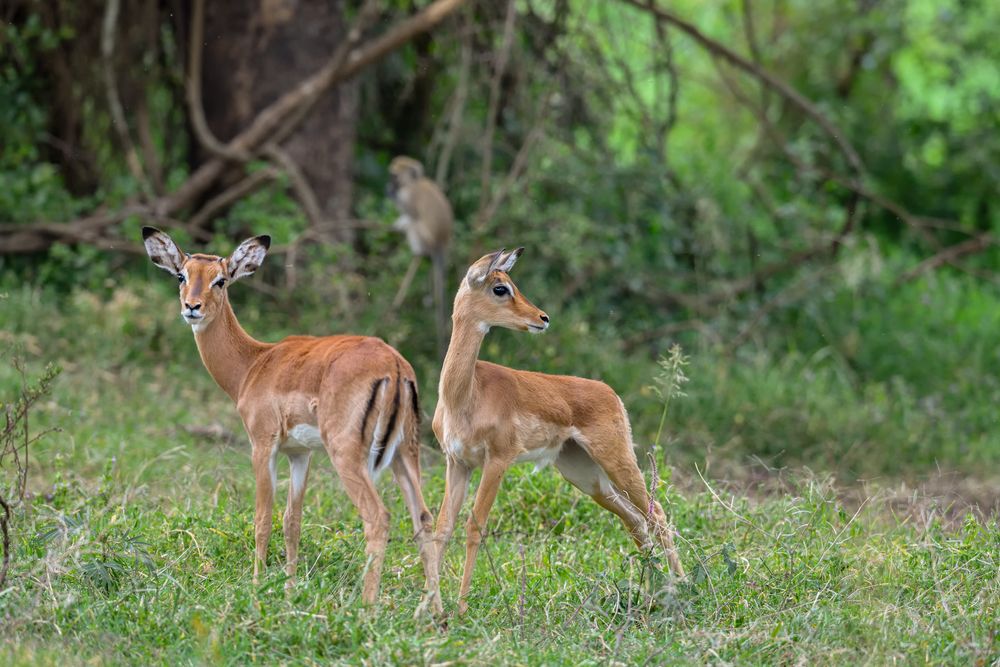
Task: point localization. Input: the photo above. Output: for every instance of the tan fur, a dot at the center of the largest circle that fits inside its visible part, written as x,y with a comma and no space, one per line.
306,385
492,416
427,220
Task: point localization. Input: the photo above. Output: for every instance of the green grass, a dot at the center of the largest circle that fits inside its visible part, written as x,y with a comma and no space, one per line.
136,546
115,570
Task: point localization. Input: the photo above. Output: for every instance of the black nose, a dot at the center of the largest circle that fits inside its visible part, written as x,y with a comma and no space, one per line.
544,318
194,307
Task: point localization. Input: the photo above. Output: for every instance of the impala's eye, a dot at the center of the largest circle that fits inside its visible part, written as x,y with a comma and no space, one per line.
219,283
180,278
500,290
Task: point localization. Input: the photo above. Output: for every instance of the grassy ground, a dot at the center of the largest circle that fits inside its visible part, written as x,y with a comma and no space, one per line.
136,545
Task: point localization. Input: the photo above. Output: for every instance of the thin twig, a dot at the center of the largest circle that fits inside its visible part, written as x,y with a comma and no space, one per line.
457,110
499,68
242,188
949,255
5,530
300,184
108,28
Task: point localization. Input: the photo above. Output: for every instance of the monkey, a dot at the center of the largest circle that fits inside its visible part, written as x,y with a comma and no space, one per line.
427,220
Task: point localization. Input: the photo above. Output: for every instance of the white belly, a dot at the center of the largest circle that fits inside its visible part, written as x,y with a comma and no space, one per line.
541,457
303,436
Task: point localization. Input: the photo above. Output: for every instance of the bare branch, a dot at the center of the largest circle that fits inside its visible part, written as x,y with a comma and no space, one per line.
243,188
300,184
776,84
949,255
196,110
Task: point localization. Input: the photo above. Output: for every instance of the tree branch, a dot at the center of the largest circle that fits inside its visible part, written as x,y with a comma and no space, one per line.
949,255
776,84
196,109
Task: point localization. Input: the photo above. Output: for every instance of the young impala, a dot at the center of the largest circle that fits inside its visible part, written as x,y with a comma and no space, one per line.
492,416
353,396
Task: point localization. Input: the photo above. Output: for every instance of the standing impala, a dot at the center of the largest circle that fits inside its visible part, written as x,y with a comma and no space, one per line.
492,416
354,396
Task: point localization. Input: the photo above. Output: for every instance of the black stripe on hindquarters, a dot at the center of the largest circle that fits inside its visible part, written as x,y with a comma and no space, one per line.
416,402
369,407
390,425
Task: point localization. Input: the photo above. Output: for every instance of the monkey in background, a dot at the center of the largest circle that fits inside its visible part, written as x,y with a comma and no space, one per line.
427,220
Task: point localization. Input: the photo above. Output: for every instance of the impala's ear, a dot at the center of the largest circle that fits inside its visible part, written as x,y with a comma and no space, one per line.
162,250
248,257
505,262
482,267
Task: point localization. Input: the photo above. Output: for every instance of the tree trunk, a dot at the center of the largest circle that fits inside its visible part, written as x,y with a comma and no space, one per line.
254,51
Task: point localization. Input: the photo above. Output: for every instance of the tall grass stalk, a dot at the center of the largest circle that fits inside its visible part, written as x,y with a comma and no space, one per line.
668,384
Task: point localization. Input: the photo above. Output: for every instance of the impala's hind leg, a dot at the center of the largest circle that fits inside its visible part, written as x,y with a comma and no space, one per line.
406,469
582,472
631,487
298,464
620,489
351,462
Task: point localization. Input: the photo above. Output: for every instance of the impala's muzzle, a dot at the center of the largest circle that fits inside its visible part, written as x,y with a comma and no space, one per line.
192,313
542,326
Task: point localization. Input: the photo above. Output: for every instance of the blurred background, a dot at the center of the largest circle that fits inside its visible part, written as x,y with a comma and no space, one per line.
801,195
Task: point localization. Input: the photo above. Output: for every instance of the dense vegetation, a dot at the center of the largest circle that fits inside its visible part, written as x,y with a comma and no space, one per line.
832,459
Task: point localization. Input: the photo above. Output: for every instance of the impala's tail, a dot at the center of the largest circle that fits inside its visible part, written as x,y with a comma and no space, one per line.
391,417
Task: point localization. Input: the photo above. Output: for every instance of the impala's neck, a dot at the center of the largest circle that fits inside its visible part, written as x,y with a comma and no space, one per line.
458,375
227,350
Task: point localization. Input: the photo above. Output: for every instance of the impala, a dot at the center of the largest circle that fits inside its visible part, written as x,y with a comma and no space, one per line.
492,417
353,396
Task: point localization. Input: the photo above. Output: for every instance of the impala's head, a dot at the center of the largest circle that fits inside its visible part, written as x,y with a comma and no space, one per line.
203,278
491,298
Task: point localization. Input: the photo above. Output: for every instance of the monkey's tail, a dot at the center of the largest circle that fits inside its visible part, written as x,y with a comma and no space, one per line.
441,321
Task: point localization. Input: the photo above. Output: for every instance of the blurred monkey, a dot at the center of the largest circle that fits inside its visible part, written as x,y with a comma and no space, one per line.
426,219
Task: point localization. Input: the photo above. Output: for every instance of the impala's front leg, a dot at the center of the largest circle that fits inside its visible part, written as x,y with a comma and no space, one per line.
265,470
475,528
456,485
